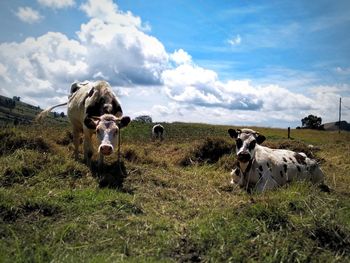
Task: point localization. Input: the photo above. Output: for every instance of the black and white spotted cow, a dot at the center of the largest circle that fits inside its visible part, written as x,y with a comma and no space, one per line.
93,108
157,132
261,168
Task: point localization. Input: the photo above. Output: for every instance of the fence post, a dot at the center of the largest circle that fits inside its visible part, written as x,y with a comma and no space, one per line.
288,132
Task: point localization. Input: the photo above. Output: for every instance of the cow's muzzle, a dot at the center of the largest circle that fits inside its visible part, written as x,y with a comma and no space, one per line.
106,149
244,157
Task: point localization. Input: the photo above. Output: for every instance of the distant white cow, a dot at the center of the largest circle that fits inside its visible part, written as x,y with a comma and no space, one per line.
93,107
157,132
262,168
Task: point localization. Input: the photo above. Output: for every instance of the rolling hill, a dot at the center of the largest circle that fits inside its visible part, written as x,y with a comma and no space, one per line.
334,126
15,112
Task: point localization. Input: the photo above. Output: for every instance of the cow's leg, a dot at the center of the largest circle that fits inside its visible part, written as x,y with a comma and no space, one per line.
76,142
88,150
266,182
317,175
100,162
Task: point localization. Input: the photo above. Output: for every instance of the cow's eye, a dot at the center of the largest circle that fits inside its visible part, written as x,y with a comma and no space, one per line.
239,143
252,145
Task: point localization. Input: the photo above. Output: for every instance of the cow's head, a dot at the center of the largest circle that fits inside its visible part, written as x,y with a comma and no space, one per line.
246,140
107,128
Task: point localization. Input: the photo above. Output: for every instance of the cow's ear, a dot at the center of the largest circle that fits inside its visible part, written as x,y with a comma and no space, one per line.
124,121
91,91
260,139
74,87
91,122
232,133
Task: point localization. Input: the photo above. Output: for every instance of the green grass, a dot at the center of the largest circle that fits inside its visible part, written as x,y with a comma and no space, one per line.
167,208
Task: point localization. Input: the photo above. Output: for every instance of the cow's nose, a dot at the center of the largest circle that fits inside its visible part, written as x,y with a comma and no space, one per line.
244,157
106,149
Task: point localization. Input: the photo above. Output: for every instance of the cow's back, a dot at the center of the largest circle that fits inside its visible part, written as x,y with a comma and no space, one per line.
76,106
286,166
158,129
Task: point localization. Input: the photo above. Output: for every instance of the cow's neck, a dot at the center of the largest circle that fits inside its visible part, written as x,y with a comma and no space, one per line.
245,167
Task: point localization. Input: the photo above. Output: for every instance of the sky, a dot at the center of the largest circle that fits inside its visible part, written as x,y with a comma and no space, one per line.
242,63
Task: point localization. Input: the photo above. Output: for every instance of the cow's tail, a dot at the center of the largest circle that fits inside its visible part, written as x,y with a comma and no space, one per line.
44,113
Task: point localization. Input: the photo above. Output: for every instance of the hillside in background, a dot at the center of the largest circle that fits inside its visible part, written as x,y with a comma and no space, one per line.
334,126
13,111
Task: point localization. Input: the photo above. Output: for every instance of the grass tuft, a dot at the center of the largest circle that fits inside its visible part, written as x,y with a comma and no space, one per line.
12,142
208,151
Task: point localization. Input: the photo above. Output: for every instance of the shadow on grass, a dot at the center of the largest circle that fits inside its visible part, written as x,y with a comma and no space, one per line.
111,175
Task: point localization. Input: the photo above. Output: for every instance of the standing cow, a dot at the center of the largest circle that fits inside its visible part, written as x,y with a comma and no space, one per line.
262,168
157,132
93,108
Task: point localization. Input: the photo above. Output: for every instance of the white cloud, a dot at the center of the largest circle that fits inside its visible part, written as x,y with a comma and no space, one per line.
28,15
277,98
192,85
115,49
118,46
39,67
180,57
235,40
4,73
162,110
107,11
188,75
125,54
56,4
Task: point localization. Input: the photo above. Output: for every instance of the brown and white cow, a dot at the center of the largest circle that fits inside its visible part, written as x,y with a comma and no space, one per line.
93,107
261,168
157,132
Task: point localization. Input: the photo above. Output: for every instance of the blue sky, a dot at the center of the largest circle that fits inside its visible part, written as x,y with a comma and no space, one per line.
264,63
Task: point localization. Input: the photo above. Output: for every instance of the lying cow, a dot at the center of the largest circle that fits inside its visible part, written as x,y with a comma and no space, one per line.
93,107
262,168
157,132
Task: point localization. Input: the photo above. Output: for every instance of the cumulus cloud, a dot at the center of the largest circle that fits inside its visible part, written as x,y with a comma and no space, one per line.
56,4
111,45
40,66
180,57
119,48
126,55
28,15
192,85
4,73
188,75
107,11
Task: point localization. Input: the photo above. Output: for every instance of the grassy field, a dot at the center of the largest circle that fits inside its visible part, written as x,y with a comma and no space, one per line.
174,205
